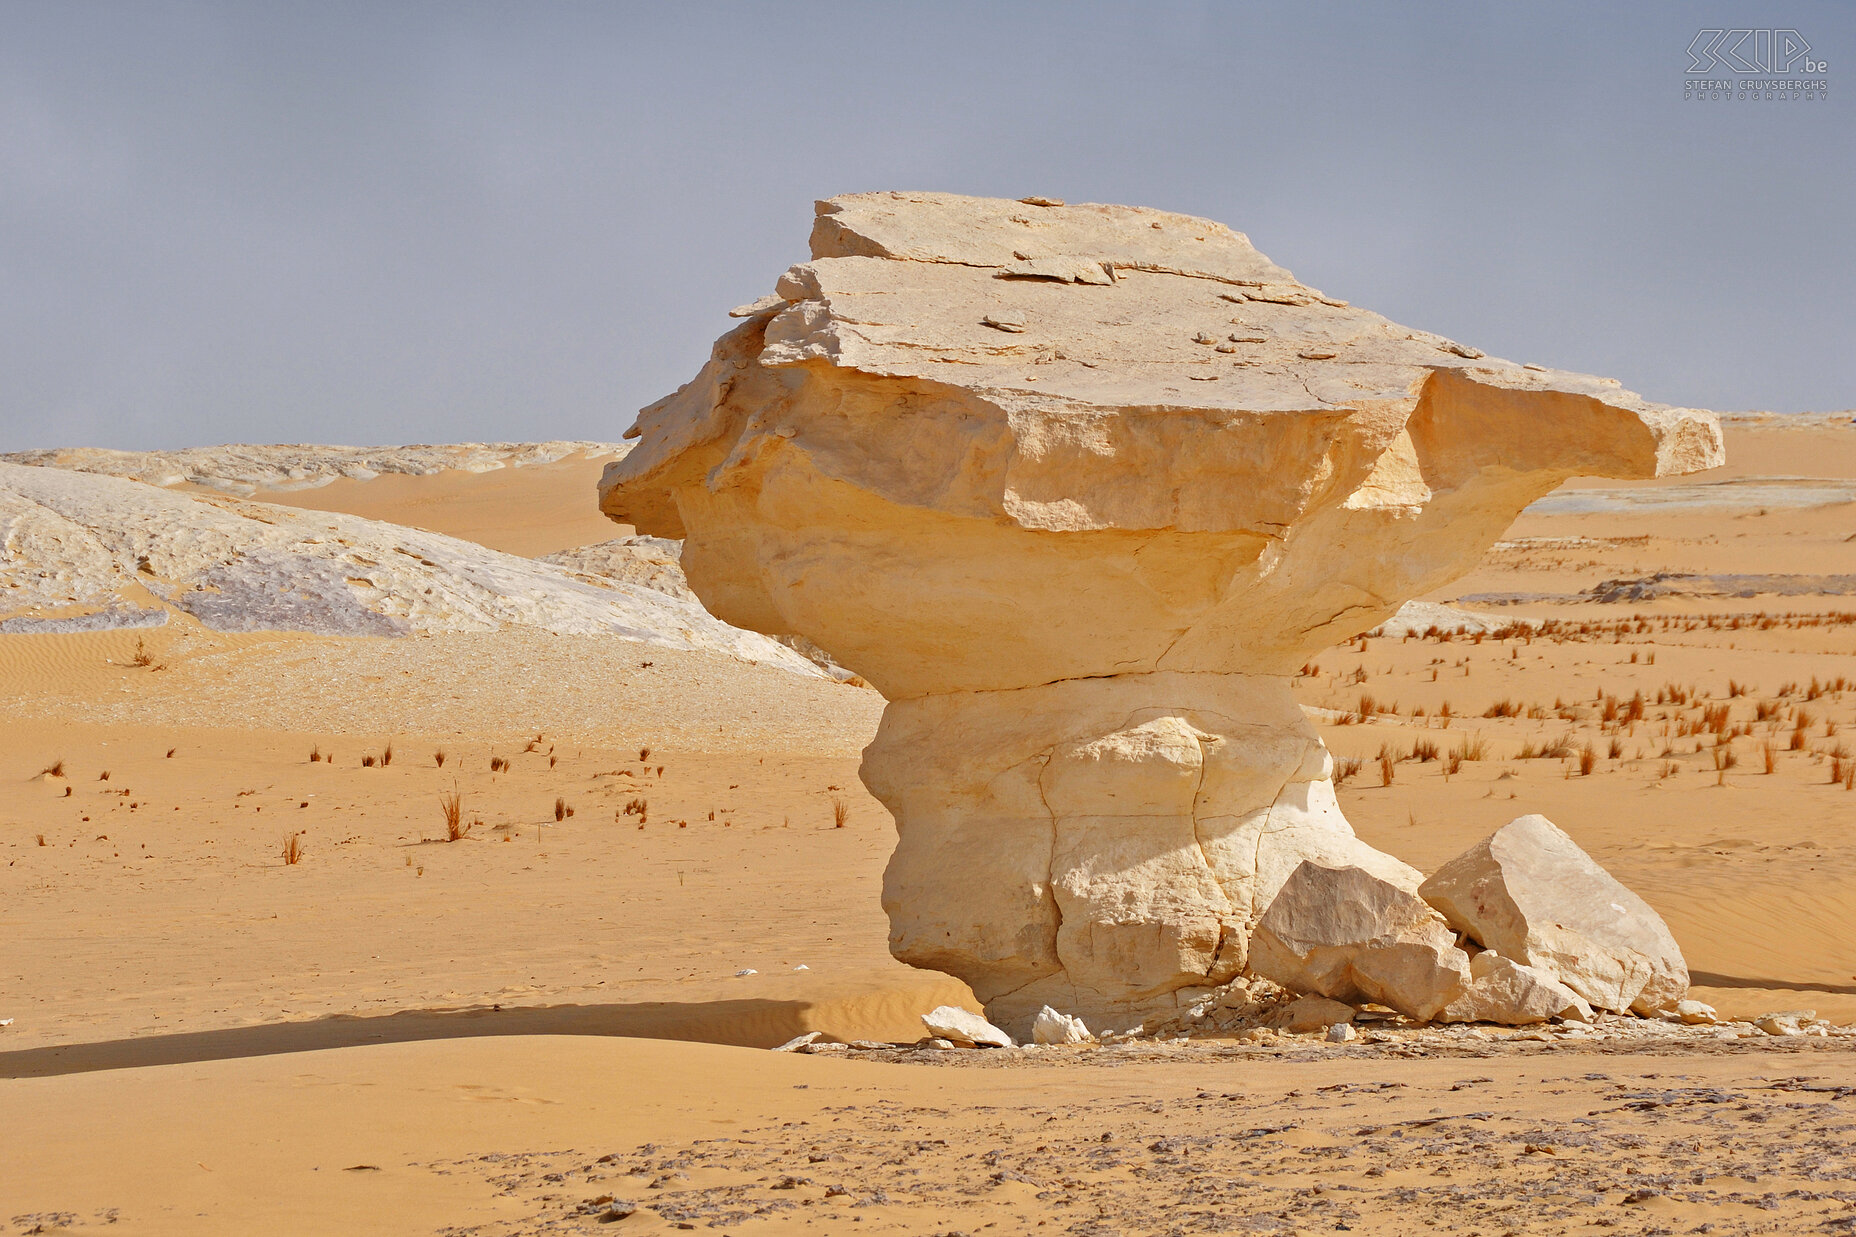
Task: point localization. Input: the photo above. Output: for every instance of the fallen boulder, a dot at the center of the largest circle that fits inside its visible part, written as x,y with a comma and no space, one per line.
950,1022
1505,991
1315,1013
1530,894
1347,934
1051,1027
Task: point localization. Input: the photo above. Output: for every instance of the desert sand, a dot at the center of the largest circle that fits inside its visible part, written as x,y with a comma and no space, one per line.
400,1033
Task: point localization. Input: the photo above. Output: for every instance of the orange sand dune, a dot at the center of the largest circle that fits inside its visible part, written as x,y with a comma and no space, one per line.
532,510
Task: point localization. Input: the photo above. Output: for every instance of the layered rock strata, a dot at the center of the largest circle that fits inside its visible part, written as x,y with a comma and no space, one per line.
81,552
1078,488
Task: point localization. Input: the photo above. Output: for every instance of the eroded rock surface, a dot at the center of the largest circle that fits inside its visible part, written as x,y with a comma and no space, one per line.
1531,894
246,468
1078,488
83,552
1347,934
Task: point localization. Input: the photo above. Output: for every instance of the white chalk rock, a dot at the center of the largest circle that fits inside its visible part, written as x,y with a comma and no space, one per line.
1529,893
1312,1013
950,1022
799,1043
85,552
1051,1027
1505,991
1079,488
1696,1013
1352,936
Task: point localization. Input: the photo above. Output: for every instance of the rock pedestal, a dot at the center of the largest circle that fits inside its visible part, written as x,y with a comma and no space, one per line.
1078,489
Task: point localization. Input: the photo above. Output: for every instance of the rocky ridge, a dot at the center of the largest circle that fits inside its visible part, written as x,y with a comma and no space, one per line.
84,552
246,468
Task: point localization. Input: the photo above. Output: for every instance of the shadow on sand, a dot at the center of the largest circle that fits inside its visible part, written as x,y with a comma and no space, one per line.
746,1023
1708,979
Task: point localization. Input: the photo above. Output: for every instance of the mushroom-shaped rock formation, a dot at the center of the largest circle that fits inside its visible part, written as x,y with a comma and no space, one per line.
1078,488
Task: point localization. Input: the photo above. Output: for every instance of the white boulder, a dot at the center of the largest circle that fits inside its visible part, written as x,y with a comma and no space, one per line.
1529,893
1051,1027
1347,934
1505,991
950,1022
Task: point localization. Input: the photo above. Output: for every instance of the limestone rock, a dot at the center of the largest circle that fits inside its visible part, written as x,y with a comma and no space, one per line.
246,468
1529,893
962,1026
1051,1027
1347,934
799,1043
1696,1013
656,563
1340,1033
1315,1013
1505,991
980,474
84,552
1414,618
648,562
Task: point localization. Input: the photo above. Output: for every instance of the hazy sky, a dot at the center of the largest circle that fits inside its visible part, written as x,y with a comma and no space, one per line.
381,222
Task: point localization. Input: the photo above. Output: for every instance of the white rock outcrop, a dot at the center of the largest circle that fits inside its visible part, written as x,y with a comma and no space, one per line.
963,1026
1051,1027
1349,935
1078,488
1503,990
1531,894
246,468
83,552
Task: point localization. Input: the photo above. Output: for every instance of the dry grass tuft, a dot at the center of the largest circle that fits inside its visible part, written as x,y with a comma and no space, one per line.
498,765
1344,769
367,762
1771,757
293,850
840,812
315,755
144,658
41,838
560,808
453,807
171,752
104,776
386,757
438,757
644,754
54,769
1588,760
1386,765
